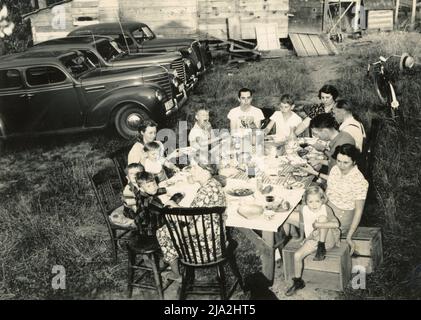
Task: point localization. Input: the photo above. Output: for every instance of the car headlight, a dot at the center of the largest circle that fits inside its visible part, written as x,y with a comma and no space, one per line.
159,95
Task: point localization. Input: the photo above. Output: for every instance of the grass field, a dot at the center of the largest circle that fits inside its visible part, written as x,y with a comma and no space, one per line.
50,217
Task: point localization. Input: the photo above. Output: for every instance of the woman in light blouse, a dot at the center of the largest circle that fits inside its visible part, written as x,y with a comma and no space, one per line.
347,190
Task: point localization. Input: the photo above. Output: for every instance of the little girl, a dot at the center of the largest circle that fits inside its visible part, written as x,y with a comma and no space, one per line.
321,230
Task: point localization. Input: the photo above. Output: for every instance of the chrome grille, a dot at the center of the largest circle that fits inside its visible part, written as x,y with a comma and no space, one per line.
162,80
179,66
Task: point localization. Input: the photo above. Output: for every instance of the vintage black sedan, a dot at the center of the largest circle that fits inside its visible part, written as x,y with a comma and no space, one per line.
104,53
45,92
138,37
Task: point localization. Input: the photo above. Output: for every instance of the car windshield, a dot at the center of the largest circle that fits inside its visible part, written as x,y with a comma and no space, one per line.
77,64
142,34
148,32
109,50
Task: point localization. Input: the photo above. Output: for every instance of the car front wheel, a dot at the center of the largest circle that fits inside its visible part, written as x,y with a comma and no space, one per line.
128,119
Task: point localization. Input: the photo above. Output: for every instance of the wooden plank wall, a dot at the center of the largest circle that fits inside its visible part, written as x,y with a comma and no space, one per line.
171,18
42,24
214,14
380,20
108,10
98,10
175,18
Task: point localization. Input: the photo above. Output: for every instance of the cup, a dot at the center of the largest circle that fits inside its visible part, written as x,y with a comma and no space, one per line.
270,199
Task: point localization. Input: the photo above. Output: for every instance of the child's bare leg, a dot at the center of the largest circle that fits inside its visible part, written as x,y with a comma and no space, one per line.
307,248
322,231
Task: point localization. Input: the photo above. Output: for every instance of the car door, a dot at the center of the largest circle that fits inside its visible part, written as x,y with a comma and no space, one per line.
13,102
53,99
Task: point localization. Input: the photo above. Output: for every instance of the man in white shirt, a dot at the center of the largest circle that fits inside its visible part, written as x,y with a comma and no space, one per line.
343,115
245,116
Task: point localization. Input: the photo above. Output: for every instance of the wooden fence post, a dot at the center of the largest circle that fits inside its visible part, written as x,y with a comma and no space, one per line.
397,14
414,11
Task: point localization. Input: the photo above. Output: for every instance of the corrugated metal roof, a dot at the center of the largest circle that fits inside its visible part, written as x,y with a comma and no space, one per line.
379,4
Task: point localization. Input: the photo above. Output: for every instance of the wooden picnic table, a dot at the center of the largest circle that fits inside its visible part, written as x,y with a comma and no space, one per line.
261,232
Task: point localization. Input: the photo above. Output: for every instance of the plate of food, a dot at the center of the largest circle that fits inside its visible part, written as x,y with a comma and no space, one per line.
228,171
240,192
300,173
279,206
302,152
294,185
250,211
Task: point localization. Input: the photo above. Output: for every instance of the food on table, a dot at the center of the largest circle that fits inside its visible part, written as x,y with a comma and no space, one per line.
294,185
279,206
300,173
240,192
295,160
302,152
228,171
267,189
250,211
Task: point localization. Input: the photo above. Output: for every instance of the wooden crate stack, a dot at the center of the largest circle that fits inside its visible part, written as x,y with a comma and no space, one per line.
332,273
368,248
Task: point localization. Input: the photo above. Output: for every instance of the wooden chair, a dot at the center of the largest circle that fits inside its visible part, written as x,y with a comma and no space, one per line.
107,189
149,251
198,249
119,158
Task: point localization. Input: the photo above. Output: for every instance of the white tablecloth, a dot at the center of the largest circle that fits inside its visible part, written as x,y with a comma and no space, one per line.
259,223
179,183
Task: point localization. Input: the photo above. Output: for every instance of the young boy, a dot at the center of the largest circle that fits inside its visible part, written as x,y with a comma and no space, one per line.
285,119
154,161
129,191
149,219
201,136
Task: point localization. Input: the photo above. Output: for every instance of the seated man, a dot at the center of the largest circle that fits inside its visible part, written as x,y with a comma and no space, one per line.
343,111
244,120
245,116
323,126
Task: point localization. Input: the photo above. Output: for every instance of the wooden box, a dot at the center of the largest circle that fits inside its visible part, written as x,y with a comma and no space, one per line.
368,248
333,273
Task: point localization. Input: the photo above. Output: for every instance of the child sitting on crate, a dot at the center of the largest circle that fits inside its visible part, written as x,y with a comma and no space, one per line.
319,226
